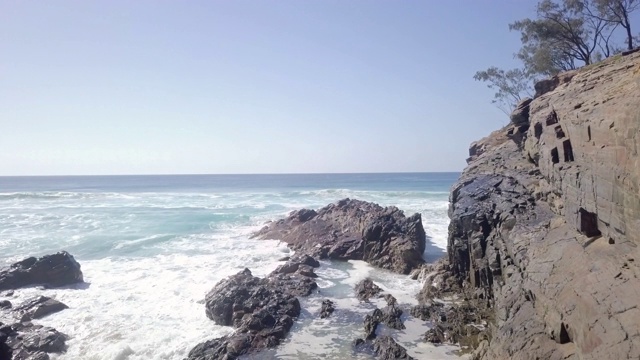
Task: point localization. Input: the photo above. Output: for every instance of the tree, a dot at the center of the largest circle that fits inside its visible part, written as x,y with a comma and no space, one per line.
560,37
617,12
511,86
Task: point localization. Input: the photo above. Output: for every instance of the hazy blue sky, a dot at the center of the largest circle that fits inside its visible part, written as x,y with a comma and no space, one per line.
143,87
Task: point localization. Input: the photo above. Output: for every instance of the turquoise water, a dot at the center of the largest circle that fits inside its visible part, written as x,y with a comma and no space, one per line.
152,246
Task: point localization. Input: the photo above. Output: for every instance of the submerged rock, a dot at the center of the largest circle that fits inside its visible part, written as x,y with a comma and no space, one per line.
354,230
50,270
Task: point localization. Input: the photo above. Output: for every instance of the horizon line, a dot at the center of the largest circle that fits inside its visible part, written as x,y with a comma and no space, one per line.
247,174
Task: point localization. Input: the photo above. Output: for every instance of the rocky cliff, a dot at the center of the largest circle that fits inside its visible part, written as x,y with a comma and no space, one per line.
545,221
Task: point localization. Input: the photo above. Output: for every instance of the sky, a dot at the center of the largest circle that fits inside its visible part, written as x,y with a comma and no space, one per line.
286,86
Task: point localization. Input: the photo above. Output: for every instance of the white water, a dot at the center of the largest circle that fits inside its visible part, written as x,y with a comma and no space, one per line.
149,258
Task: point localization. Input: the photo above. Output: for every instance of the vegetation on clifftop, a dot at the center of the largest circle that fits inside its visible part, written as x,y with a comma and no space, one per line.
564,35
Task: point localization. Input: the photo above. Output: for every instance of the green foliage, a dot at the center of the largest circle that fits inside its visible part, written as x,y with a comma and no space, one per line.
510,86
617,12
560,38
564,35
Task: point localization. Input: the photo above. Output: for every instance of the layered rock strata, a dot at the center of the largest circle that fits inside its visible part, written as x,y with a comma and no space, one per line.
545,222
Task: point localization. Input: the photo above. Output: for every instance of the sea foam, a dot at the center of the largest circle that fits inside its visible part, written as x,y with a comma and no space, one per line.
150,256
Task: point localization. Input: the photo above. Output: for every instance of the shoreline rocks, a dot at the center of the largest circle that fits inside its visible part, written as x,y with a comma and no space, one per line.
37,308
366,289
328,307
543,238
382,345
354,230
262,310
55,270
24,340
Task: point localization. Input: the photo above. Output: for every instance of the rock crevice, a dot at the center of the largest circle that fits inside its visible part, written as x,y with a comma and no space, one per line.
544,229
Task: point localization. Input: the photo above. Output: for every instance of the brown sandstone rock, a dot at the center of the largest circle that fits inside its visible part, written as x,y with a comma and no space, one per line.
544,228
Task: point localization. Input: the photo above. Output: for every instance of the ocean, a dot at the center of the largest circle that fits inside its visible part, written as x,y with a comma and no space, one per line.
151,247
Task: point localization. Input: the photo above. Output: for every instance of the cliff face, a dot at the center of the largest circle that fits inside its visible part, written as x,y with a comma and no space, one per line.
545,221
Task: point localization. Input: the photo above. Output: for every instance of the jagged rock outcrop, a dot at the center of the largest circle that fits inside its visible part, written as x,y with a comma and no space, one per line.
545,226
26,341
387,349
389,315
520,115
383,346
367,289
50,270
38,307
354,230
262,310
328,307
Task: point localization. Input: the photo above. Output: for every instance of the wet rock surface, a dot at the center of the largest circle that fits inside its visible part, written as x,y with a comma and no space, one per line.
37,308
390,315
328,307
543,240
50,270
354,230
262,310
387,349
383,346
24,340
366,289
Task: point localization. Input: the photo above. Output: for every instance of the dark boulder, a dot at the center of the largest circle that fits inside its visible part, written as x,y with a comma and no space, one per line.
422,312
300,265
435,335
38,307
327,308
371,322
362,346
295,284
50,270
366,289
354,230
261,310
305,259
391,317
5,350
241,294
387,349
306,270
520,115
26,341
547,85
5,304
